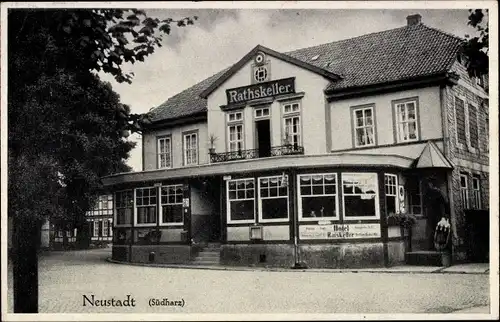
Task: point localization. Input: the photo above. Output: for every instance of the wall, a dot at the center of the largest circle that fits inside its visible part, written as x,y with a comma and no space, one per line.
464,159
429,116
313,107
150,157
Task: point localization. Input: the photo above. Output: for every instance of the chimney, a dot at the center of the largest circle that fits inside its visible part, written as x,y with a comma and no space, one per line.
414,19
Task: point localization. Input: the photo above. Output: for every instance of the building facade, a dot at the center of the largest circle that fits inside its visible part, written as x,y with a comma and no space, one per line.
303,156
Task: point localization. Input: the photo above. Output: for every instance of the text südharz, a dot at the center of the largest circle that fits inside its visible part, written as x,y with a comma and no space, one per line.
93,301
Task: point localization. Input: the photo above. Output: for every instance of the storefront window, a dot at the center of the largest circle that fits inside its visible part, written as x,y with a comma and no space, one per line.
273,198
360,195
145,200
241,200
171,204
318,196
124,207
464,193
391,193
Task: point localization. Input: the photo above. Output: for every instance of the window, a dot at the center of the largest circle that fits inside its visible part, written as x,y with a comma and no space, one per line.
360,195
406,121
391,193
164,153
261,112
171,204
473,128
145,200
105,228
414,192
110,225
317,196
460,120
464,193
96,228
190,148
124,207
476,193
233,117
291,119
235,138
273,198
364,128
241,198
261,74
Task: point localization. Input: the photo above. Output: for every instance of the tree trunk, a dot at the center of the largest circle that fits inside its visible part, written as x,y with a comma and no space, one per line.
26,243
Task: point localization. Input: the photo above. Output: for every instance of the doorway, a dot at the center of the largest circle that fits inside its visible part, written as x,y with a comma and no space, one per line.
263,137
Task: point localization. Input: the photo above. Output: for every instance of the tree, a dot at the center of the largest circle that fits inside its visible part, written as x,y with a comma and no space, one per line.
66,127
475,49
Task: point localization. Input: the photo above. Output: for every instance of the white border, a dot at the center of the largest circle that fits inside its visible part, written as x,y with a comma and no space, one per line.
377,194
259,201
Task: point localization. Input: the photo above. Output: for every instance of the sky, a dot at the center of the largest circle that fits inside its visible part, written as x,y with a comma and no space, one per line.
220,37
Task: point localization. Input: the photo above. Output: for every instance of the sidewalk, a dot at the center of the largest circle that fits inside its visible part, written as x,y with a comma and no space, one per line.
472,268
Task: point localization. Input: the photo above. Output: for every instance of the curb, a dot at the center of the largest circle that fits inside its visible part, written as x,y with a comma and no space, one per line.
277,269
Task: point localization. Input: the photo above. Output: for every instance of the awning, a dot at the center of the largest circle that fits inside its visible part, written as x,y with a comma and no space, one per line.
432,157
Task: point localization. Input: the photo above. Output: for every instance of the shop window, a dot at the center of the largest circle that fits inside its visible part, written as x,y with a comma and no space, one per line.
291,125
414,192
460,120
241,201
364,127
171,204
318,196
124,207
273,198
164,153
145,201
406,121
391,193
360,195
476,193
190,148
464,193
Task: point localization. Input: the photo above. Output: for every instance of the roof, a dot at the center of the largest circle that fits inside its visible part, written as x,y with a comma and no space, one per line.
377,58
431,157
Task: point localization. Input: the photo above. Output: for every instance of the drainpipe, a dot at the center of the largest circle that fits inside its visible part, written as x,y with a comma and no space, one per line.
298,263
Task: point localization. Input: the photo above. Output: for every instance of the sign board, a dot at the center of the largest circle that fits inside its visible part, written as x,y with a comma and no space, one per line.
261,90
339,231
185,202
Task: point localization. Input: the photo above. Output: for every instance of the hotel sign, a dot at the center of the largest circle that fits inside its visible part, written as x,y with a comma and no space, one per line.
339,231
261,90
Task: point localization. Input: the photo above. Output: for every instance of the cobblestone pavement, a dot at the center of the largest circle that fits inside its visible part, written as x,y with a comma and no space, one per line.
65,277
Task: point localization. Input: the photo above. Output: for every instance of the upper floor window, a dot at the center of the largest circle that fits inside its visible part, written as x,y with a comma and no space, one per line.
291,126
407,121
235,131
164,152
234,117
473,127
262,112
460,120
391,193
190,148
360,195
364,126
464,190
241,201
124,201
145,201
476,193
171,204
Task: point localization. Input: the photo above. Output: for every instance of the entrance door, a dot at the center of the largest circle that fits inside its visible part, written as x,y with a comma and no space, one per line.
263,133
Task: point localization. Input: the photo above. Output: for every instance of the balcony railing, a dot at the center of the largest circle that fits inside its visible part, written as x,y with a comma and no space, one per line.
256,153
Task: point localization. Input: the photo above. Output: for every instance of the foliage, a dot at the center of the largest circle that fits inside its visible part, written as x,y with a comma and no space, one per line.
476,48
402,219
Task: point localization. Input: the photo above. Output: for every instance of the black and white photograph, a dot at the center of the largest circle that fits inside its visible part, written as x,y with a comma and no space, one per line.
293,160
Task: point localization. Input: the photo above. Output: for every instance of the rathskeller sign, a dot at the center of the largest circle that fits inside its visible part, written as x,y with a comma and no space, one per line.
261,90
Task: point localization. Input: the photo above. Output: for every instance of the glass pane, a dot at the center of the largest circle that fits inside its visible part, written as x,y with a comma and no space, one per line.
330,189
354,206
241,210
412,130
274,208
390,204
360,137
305,190
317,190
318,207
172,214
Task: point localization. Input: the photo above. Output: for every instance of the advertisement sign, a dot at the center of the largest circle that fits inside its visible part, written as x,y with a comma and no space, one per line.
261,90
339,231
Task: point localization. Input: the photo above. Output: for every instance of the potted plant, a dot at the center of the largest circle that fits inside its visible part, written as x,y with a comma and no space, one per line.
212,140
404,222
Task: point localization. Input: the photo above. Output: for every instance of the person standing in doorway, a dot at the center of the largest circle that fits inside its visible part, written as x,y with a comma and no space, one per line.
436,207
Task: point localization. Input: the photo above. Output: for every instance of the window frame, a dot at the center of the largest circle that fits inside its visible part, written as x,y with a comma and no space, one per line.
463,99
260,198
354,125
164,223
377,194
136,223
336,196
228,203
468,126
476,193
159,154
185,148
262,117
464,190
105,228
397,122
291,115
395,195
236,122
96,223
115,208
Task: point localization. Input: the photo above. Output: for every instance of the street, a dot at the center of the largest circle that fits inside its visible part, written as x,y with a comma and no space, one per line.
66,277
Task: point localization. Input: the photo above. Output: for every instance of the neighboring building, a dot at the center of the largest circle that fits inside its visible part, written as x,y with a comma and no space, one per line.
301,156
100,220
